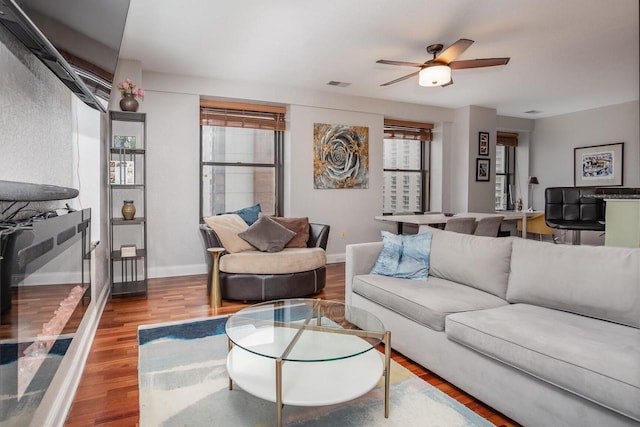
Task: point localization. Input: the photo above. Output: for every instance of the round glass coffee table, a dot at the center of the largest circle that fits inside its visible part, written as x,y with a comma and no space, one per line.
307,352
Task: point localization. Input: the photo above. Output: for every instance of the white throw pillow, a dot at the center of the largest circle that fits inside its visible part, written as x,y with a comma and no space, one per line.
227,228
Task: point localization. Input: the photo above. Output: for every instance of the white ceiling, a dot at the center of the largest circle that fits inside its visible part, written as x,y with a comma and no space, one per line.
566,55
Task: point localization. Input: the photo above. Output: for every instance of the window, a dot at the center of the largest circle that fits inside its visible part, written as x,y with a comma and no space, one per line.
505,170
405,160
241,151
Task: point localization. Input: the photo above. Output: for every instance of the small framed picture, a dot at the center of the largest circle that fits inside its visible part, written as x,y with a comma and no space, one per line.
483,168
120,141
598,165
483,143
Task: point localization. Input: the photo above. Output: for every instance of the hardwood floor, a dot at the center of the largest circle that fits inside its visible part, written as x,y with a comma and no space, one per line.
108,391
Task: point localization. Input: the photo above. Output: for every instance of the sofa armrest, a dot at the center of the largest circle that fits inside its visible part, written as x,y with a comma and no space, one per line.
360,259
318,235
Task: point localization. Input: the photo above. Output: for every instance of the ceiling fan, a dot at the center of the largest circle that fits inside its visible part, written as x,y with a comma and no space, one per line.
437,71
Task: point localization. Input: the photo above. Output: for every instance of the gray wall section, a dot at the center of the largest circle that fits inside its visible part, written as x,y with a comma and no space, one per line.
36,120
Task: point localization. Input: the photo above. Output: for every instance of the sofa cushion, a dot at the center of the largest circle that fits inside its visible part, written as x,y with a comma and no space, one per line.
596,281
426,302
477,261
227,228
592,358
266,235
289,260
300,226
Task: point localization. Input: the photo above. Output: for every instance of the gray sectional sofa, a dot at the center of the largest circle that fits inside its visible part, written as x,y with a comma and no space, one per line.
547,334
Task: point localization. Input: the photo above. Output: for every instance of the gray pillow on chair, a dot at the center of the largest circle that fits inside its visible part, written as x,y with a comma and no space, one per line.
266,235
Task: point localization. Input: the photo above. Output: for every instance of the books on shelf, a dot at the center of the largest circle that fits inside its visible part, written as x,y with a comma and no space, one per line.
122,172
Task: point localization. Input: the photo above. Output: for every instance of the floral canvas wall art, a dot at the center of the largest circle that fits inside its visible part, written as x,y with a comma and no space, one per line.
340,156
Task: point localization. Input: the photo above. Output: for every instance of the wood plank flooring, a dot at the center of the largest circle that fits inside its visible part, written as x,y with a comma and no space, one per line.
108,391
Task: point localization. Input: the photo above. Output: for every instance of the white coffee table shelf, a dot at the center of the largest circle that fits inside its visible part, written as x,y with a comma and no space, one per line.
305,352
308,383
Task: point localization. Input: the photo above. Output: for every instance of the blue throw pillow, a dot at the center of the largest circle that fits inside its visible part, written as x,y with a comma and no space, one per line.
389,258
414,260
249,215
405,256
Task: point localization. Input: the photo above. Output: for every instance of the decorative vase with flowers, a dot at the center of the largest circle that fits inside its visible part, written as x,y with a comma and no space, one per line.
129,93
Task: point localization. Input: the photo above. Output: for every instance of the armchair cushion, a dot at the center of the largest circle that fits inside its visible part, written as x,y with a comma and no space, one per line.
298,225
227,227
267,235
289,260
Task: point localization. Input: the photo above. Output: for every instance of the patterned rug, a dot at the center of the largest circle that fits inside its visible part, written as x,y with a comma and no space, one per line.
26,370
183,382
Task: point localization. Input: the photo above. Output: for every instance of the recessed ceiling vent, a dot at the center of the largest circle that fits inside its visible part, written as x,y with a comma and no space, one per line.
533,112
338,84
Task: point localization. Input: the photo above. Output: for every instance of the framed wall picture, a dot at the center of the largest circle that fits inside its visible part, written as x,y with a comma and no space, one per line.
121,141
340,156
483,168
598,165
483,143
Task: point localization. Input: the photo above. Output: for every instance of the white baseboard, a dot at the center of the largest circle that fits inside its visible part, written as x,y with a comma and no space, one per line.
177,270
336,258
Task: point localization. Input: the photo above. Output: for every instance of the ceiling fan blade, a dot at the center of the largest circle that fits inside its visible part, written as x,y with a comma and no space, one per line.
401,78
478,63
408,64
453,51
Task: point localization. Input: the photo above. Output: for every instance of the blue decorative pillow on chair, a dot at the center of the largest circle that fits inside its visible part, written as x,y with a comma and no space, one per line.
249,215
405,256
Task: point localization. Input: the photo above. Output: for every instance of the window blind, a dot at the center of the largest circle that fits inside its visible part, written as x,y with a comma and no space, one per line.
231,114
400,129
508,139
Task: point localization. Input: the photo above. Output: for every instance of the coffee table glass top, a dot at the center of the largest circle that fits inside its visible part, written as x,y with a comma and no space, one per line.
305,330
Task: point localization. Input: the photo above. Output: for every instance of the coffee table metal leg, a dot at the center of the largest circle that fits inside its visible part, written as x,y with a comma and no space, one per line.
279,392
387,371
230,344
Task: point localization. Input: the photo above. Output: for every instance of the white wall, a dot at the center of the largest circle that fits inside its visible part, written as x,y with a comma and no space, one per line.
174,244
554,139
482,193
172,107
469,195
350,212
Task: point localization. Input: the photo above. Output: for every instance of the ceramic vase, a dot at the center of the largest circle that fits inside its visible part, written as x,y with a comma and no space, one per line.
128,210
129,102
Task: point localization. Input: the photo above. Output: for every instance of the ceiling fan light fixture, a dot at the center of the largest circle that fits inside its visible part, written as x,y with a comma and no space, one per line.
436,75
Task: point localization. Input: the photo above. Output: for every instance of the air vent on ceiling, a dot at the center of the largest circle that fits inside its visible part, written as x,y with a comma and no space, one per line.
338,84
533,112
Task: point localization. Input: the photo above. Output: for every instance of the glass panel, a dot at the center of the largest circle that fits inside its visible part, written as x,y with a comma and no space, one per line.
501,192
501,163
235,145
402,192
401,154
228,188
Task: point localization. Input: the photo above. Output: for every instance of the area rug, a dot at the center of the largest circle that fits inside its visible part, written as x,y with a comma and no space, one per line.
26,370
183,382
